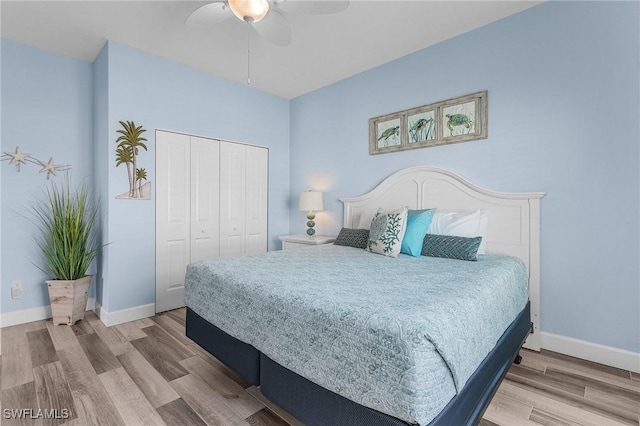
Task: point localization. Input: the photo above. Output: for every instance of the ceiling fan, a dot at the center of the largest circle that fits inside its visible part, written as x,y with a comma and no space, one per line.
266,17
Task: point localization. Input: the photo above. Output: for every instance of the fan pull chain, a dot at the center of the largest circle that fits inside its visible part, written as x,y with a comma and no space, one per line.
248,54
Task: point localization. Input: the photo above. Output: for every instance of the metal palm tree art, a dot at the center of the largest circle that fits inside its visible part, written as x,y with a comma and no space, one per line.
129,142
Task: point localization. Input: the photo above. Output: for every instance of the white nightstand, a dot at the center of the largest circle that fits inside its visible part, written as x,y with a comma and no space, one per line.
296,241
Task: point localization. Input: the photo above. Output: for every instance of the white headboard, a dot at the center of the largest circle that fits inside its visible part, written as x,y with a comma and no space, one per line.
514,218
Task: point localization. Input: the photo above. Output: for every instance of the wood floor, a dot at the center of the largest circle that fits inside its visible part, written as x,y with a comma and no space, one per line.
147,372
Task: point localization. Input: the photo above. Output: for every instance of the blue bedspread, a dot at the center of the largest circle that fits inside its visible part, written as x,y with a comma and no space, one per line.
401,336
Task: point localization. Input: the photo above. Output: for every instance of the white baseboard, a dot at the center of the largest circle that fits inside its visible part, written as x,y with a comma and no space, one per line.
125,315
601,354
7,319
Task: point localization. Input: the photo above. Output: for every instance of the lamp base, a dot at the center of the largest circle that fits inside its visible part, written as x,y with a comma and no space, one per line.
310,224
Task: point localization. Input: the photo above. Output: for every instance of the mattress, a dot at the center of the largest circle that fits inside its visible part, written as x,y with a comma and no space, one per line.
401,336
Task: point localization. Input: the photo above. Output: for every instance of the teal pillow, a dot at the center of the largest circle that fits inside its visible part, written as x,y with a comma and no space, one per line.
418,222
451,247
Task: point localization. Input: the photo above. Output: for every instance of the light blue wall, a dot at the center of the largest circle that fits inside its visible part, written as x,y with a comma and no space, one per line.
1,287
160,94
100,165
563,118
47,111
69,109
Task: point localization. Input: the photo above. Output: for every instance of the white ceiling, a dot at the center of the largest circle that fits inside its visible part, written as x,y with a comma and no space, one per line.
325,49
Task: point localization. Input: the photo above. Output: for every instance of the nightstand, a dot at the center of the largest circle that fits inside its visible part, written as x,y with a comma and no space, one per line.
296,241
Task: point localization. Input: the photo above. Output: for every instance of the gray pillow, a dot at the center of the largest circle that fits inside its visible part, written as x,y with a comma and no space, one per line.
353,238
451,247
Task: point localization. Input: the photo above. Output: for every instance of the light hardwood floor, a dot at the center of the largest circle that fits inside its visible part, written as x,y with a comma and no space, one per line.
147,372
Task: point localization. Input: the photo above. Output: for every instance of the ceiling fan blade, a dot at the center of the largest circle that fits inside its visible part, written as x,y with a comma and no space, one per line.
274,27
209,15
313,7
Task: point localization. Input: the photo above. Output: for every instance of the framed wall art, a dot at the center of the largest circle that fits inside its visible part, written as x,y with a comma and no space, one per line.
385,133
464,118
421,126
454,120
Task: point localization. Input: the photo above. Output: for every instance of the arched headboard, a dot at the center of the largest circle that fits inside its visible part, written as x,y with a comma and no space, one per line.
514,217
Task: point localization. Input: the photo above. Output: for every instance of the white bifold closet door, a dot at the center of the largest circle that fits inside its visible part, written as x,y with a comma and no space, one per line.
211,201
243,199
187,210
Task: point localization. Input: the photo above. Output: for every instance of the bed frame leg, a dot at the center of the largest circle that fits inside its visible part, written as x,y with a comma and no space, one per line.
518,359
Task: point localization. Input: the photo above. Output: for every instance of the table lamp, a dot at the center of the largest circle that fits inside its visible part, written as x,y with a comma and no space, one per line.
310,201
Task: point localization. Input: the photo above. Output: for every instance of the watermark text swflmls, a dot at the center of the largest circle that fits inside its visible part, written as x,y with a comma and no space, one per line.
39,413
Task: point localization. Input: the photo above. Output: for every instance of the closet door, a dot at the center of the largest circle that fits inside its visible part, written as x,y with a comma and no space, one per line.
256,199
232,199
205,205
211,201
173,218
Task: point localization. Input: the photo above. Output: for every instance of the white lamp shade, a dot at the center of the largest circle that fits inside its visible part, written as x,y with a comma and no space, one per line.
310,200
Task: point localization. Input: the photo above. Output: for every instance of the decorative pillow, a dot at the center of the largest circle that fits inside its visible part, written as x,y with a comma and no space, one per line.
451,247
387,231
418,222
353,238
461,224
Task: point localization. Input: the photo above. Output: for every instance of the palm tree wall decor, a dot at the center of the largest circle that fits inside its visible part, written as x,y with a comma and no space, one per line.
141,174
129,143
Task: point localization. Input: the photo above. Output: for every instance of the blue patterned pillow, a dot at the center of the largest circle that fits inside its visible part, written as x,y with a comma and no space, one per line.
418,222
462,248
353,238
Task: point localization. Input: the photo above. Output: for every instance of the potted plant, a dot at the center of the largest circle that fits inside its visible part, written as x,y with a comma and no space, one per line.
65,219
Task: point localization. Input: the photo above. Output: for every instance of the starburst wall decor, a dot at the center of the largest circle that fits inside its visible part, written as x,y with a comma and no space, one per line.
18,157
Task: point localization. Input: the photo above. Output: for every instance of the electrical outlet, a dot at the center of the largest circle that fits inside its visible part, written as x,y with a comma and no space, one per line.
16,289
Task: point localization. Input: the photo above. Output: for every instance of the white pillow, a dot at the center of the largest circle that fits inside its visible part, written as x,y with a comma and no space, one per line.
461,224
387,232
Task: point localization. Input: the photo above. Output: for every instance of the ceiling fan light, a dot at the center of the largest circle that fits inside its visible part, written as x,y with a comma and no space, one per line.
249,10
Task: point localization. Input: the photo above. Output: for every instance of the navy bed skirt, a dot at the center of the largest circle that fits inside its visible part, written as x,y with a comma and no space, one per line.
317,406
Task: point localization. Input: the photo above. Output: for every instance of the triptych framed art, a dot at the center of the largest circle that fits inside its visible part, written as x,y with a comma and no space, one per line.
454,120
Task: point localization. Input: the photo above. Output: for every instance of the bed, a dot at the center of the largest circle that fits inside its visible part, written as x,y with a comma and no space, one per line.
338,336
